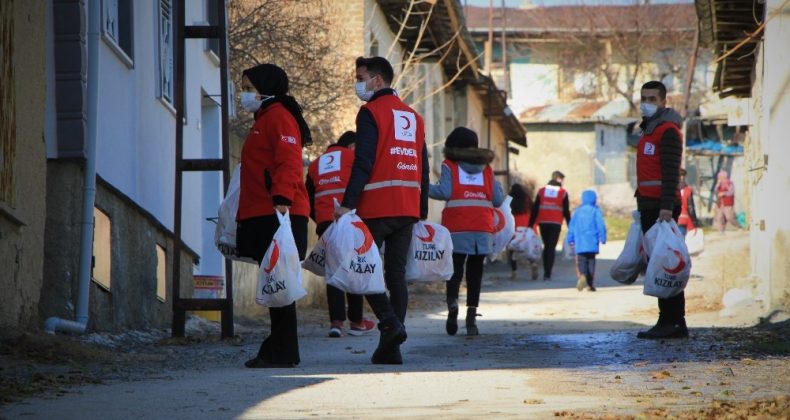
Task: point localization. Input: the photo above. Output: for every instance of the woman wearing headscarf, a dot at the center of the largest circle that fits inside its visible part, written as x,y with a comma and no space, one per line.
467,184
272,180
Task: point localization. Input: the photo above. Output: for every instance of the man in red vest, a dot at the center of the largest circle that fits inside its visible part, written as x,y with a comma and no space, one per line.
550,208
326,182
389,188
657,194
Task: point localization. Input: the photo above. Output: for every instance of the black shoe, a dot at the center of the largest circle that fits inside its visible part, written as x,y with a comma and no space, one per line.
591,288
661,331
387,357
258,363
452,318
545,278
471,325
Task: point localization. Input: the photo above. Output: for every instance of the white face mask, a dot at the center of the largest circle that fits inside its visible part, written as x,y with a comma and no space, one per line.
362,91
250,102
648,110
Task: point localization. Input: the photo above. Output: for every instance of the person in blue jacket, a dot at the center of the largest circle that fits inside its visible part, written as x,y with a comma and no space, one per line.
585,231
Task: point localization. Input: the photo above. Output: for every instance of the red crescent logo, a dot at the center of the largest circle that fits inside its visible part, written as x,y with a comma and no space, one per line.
681,263
500,220
431,232
366,244
408,123
273,260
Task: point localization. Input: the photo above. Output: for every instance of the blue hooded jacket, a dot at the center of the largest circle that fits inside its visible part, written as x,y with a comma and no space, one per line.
587,227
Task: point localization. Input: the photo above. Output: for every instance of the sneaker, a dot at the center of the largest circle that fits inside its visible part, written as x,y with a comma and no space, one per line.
336,330
665,331
534,268
591,288
580,283
362,327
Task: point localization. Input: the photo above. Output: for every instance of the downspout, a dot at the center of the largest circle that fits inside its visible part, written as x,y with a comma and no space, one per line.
53,324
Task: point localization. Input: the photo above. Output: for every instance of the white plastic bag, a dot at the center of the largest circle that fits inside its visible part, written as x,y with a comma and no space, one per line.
695,241
280,275
526,243
353,263
316,260
504,227
631,260
430,253
225,232
669,264
568,251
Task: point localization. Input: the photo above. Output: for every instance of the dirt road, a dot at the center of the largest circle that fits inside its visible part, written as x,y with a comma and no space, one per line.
545,350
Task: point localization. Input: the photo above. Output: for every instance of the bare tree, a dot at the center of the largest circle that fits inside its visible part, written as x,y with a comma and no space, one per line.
618,45
300,37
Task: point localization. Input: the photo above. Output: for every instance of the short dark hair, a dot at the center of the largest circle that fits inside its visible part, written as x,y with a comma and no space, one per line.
557,174
655,84
377,66
347,139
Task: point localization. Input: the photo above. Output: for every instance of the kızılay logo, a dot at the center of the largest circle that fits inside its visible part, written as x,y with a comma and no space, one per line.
273,259
500,220
681,263
368,241
431,232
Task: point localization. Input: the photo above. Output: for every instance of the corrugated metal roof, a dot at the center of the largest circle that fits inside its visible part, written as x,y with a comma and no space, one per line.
614,112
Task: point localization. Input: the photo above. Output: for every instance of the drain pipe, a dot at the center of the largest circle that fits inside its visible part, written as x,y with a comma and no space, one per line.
53,324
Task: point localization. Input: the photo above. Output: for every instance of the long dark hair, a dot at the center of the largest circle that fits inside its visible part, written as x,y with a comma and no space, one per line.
522,202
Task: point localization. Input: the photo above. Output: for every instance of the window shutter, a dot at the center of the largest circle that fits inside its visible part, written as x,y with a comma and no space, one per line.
166,49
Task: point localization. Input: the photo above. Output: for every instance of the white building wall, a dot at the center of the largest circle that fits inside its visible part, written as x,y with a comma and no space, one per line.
136,143
532,85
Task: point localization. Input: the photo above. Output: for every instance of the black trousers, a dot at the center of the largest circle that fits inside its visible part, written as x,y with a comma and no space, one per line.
253,237
671,310
336,299
585,261
395,234
550,233
474,278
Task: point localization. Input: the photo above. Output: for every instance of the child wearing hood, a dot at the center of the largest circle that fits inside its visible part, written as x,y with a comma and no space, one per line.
585,231
467,184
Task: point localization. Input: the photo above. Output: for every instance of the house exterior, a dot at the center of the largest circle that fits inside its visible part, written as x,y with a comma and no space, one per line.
759,84
573,73
23,165
44,182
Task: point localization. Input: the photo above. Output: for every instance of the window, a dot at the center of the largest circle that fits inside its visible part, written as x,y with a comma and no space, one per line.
161,273
117,28
102,249
166,51
212,44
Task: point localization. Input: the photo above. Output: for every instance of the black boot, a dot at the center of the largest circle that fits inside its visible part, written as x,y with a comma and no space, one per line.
393,333
664,330
452,317
471,325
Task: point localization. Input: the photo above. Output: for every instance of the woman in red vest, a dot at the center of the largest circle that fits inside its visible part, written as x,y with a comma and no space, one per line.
521,207
271,180
467,184
326,182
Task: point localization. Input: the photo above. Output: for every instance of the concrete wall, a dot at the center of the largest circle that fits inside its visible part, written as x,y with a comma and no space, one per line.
770,181
569,148
23,154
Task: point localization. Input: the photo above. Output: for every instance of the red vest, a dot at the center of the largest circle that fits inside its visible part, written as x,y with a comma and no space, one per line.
394,186
470,207
522,220
685,219
550,209
648,161
330,174
725,200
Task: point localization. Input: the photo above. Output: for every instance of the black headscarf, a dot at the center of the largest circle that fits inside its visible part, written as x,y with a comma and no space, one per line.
271,80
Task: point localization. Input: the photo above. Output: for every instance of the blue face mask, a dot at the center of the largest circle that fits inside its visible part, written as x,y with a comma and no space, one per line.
648,110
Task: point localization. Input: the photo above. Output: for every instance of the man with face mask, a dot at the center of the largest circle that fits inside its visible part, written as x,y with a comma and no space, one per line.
657,195
388,187
550,208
